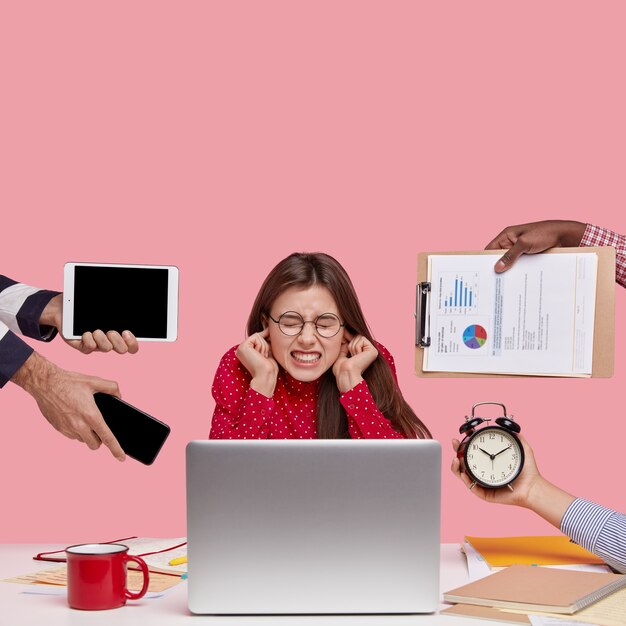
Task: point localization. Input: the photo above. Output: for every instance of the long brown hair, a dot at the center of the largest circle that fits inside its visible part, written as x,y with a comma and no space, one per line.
305,270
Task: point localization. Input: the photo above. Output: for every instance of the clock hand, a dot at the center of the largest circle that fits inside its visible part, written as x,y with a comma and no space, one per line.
491,456
501,451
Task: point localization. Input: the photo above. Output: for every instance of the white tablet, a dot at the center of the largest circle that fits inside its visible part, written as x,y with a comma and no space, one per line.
105,296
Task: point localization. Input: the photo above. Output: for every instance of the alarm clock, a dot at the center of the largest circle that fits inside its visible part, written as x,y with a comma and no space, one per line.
492,456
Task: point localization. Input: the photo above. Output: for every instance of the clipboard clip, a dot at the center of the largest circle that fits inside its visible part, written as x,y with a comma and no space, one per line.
422,315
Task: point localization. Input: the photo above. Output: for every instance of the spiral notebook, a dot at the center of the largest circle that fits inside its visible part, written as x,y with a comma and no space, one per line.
529,588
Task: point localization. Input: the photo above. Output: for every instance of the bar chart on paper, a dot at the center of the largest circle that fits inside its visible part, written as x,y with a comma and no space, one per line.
458,292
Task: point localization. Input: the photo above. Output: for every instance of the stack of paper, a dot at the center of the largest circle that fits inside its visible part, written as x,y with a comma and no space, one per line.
157,553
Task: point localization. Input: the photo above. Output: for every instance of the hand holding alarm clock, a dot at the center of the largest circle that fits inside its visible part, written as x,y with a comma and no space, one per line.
491,456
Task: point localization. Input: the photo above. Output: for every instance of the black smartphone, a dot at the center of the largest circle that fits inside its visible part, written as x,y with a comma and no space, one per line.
140,435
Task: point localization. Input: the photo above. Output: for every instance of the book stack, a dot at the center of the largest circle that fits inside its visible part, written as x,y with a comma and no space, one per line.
599,598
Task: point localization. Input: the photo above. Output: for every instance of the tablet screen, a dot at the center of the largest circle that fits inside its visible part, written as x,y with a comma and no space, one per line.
121,298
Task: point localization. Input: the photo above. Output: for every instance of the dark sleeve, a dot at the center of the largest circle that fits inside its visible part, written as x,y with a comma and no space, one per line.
13,353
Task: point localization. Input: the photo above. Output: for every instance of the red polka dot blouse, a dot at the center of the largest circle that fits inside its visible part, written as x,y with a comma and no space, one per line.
243,413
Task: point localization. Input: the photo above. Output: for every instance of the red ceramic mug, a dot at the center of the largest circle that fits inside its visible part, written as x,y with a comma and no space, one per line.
96,576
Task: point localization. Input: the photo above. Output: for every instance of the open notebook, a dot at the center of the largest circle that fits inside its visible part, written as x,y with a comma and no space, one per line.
157,553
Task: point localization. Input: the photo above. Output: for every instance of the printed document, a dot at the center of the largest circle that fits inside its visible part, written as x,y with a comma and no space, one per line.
535,319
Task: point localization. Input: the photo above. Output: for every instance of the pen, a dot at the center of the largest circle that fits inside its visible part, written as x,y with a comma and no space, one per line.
179,561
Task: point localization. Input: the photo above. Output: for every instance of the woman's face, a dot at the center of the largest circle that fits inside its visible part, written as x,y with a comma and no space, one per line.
305,356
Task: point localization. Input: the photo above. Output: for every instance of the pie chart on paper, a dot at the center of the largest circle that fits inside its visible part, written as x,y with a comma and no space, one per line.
474,336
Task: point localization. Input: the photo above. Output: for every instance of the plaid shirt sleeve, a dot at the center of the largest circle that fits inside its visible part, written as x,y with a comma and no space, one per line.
596,236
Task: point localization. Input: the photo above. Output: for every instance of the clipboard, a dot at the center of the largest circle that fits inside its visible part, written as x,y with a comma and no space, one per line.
604,327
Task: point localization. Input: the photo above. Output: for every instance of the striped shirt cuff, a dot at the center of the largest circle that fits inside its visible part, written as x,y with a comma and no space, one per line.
30,312
21,307
13,353
597,529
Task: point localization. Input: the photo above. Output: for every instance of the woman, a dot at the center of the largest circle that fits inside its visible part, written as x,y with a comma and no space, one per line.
309,366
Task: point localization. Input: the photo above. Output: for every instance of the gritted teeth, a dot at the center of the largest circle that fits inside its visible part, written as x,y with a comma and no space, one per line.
306,357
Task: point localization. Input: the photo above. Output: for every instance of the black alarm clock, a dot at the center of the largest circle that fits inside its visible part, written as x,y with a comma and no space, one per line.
492,456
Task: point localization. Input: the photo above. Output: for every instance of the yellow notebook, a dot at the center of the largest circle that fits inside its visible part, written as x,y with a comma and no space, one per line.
552,550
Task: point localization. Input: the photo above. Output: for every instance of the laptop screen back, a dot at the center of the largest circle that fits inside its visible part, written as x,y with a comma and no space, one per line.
320,526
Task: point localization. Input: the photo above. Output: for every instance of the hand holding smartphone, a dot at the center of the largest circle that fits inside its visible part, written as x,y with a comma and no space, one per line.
140,435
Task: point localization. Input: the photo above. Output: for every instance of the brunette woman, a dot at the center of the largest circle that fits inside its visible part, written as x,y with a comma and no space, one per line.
309,367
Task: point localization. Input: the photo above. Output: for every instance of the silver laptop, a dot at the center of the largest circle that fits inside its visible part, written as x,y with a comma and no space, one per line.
318,526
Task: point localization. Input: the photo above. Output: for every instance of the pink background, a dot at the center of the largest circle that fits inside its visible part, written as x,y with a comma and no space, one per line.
222,136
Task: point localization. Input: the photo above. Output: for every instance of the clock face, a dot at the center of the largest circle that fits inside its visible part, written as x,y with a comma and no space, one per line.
493,457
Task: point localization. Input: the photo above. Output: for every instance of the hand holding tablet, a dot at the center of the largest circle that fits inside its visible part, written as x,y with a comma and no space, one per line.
97,341
123,302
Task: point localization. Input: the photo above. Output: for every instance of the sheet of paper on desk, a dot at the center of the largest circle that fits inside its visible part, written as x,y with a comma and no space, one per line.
536,319
57,576
543,620
159,562
610,611
477,568
57,590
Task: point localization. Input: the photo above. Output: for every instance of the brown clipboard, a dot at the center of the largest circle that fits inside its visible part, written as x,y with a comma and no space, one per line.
604,326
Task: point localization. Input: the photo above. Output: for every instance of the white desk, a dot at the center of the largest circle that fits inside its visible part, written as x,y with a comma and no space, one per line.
22,609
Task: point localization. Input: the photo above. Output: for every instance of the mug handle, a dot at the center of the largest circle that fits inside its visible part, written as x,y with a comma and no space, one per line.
144,570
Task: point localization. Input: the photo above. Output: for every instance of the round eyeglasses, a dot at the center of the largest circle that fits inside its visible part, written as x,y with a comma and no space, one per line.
291,324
